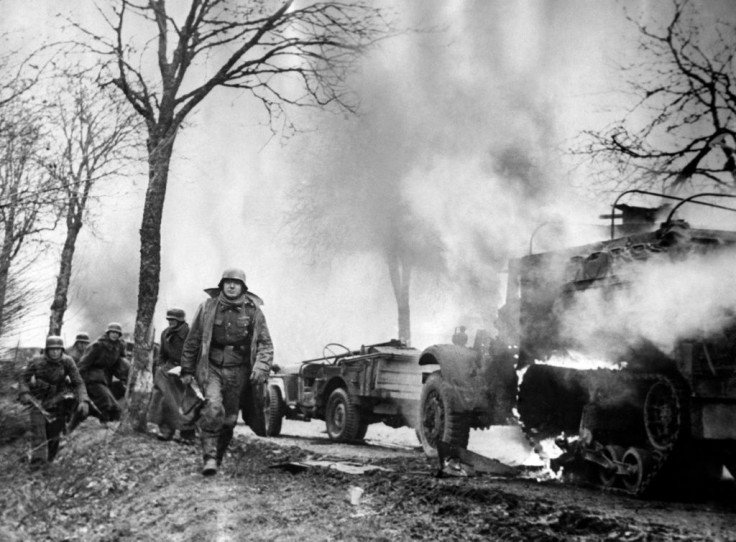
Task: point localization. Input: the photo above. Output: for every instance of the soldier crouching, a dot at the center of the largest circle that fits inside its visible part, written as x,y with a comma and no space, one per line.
45,387
103,360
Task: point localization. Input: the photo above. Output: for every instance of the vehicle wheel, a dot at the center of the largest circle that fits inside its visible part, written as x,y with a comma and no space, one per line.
273,409
662,414
609,476
342,417
638,463
251,404
438,421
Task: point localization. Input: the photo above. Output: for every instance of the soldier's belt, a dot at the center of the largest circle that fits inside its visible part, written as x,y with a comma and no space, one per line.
227,356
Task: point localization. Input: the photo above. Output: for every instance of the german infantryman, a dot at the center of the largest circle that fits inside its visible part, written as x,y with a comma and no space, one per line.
44,386
168,389
103,360
81,342
230,352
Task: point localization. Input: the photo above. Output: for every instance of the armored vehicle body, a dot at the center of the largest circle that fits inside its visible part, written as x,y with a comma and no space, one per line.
622,351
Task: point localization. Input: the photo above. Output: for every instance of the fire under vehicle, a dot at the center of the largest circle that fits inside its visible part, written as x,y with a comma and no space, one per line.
349,390
648,414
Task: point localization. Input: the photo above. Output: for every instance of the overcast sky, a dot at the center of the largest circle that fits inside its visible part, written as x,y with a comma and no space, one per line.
446,116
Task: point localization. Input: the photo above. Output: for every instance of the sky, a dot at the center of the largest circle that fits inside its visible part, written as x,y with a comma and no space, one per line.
465,127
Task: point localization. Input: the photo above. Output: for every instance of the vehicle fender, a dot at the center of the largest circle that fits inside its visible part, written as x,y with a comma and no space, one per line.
330,385
464,372
279,383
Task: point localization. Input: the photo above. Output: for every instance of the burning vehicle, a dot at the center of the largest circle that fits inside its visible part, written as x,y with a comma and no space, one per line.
622,351
348,389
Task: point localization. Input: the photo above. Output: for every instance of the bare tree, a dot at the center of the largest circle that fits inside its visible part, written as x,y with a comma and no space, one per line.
28,198
283,54
334,216
20,73
25,194
93,138
681,129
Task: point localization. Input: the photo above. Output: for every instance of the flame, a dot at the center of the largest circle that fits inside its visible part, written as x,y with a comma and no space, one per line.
578,360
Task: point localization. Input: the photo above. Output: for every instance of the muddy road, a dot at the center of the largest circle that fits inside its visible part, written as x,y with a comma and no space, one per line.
109,487
710,515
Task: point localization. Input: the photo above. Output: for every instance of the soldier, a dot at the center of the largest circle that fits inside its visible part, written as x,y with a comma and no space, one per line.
44,386
460,338
168,389
229,349
103,360
80,345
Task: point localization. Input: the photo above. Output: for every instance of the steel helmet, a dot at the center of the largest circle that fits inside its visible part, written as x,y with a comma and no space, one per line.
114,326
54,341
82,337
233,274
176,314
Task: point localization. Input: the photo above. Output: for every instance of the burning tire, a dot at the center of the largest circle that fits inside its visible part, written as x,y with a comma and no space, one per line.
342,417
438,420
273,405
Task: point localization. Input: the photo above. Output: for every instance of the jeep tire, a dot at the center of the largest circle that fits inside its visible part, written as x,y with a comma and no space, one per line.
439,420
342,417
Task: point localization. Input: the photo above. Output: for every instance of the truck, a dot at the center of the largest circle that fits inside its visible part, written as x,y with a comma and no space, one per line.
348,389
586,357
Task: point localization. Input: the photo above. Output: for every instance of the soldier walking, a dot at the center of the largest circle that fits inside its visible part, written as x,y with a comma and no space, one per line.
44,386
168,390
103,360
229,349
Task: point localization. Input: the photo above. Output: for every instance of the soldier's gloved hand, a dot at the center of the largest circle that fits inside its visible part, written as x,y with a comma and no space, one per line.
186,379
258,377
83,409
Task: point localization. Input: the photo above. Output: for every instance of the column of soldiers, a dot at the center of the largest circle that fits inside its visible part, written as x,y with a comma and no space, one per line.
228,351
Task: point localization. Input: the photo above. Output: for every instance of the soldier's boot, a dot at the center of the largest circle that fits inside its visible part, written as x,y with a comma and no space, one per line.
210,467
54,447
165,432
209,452
74,421
223,441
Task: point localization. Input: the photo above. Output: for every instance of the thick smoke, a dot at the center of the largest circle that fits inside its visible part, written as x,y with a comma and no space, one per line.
666,301
454,157
457,156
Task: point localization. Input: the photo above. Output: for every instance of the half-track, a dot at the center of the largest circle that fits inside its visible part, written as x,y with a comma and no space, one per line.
629,410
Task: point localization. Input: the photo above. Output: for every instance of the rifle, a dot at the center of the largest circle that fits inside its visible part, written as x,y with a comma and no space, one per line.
37,404
31,399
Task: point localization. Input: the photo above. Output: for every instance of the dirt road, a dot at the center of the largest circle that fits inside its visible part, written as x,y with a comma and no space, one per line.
711,516
107,487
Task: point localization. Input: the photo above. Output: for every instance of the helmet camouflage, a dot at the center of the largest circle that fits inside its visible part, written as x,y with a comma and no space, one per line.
176,314
114,326
54,341
82,337
233,274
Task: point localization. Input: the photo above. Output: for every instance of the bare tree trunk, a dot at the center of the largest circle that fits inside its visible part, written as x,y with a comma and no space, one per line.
400,272
59,305
140,381
5,253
